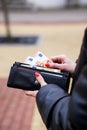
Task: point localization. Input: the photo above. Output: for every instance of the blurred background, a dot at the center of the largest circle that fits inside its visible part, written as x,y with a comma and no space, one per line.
59,27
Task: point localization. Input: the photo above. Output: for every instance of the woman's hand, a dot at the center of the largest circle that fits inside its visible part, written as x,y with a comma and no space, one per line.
62,62
40,79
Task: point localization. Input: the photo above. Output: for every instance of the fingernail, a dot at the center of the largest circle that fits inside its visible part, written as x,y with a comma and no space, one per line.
47,65
37,74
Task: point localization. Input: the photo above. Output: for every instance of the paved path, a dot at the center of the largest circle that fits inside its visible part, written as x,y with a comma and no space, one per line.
16,108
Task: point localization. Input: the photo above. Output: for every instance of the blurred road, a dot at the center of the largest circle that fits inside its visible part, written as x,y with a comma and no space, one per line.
55,16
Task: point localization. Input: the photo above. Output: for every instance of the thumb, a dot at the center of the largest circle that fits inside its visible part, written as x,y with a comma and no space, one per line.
40,79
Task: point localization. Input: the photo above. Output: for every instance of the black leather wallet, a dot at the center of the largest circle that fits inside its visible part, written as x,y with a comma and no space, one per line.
22,76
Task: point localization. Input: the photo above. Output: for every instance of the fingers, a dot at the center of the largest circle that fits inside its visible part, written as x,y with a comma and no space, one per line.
59,58
57,62
40,79
55,65
31,93
42,83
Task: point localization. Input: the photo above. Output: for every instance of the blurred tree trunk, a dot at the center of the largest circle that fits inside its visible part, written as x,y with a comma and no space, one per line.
6,17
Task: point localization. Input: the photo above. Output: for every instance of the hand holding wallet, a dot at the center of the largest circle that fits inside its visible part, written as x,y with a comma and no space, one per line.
22,76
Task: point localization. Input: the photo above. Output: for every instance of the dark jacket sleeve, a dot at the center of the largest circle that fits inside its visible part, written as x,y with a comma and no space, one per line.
60,111
47,98
77,115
